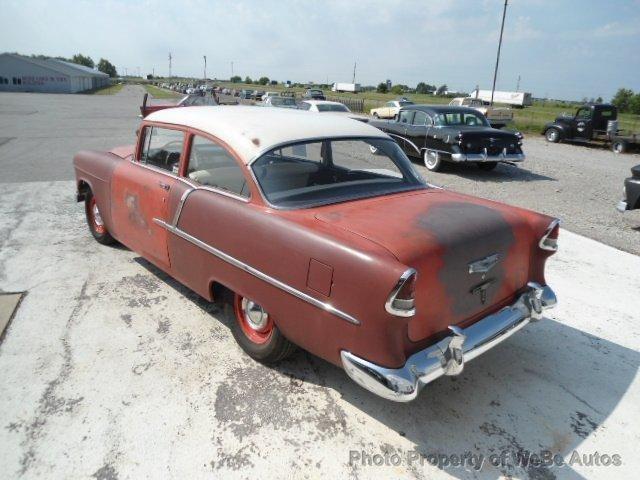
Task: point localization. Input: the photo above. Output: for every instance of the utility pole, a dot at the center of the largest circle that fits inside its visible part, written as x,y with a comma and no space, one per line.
205,67
518,84
495,73
232,69
138,71
153,72
169,64
354,72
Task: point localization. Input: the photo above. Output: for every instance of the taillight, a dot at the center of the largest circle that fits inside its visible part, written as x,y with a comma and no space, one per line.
549,240
401,301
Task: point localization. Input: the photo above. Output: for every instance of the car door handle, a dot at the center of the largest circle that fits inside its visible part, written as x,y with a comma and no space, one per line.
164,186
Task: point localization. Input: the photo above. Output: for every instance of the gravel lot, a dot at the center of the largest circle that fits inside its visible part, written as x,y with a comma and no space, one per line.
578,184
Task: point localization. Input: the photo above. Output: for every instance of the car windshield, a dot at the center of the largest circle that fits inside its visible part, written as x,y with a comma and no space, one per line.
332,107
470,119
316,173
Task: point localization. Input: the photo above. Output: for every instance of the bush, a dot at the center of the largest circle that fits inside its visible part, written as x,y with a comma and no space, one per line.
236,79
622,99
263,80
397,89
382,88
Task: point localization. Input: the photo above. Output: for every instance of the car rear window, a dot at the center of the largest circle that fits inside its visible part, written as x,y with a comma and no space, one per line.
316,173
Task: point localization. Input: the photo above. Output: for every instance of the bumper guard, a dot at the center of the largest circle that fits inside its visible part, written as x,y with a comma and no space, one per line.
447,357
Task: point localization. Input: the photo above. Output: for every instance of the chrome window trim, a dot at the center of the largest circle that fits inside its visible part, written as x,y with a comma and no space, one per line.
257,273
315,139
388,306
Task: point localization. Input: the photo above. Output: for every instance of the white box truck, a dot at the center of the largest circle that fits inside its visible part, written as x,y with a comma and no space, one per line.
517,99
346,87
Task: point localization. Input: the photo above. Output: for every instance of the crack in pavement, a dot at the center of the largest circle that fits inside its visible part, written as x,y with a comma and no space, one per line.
50,404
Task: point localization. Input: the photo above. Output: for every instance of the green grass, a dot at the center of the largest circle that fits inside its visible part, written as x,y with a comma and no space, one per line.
110,90
156,92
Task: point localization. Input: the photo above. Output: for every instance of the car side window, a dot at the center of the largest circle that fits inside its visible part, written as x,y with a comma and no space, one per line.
162,148
584,113
210,164
420,118
389,104
406,116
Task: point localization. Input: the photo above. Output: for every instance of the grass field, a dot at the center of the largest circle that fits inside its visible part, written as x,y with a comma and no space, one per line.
529,120
156,92
110,90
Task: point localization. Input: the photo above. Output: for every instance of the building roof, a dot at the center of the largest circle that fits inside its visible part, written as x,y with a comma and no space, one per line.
251,131
60,66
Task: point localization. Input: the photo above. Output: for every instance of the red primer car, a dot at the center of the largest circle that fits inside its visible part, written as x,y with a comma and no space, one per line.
322,235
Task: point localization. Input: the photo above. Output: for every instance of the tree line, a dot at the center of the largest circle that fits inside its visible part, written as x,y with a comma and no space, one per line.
627,101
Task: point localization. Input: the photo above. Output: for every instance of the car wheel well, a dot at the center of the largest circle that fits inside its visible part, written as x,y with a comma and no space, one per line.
83,189
220,293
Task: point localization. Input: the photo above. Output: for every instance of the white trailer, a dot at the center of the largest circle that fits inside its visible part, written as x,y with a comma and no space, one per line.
517,99
346,87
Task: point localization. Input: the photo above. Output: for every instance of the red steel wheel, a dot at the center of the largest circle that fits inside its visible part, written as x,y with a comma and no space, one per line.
256,324
94,220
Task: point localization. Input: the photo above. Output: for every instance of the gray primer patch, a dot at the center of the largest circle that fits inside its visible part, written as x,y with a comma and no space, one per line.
477,231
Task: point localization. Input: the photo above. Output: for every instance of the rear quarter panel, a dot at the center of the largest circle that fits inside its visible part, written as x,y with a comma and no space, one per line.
282,245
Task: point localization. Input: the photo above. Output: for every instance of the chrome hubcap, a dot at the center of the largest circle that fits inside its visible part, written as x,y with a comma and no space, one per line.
432,159
96,215
552,135
255,316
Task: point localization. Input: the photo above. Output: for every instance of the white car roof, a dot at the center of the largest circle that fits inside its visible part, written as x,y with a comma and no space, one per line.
251,131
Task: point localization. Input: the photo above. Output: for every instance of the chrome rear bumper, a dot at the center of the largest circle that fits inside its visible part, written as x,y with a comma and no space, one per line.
447,357
484,157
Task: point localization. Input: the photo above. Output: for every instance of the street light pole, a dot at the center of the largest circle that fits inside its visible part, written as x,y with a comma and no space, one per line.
495,73
205,67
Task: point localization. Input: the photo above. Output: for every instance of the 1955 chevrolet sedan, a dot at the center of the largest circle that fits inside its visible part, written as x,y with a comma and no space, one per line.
321,234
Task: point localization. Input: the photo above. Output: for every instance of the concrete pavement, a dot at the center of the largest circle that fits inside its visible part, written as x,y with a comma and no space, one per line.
112,370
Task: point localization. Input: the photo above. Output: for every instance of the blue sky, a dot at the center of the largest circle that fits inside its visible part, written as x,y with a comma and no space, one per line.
560,48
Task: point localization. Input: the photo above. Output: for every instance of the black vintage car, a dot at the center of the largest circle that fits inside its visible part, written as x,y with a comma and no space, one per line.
631,200
443,133
314,94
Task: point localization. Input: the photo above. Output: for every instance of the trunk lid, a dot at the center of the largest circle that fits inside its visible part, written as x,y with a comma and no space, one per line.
440,234
475,140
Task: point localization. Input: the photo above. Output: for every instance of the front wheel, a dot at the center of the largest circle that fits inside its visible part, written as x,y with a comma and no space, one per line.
256,332
375,115
94,219
432,160
552,135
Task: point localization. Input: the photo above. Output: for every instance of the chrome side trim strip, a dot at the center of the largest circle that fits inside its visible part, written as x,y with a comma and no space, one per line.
183,199
257,273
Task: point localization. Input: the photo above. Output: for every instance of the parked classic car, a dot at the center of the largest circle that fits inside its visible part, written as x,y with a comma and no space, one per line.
631,197
498,117
440,133
326,106
280,102
315,241
186,101
390,109
314,94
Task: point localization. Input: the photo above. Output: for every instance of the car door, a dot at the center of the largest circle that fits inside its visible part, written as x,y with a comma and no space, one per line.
583,123
415,133
140,192
405,118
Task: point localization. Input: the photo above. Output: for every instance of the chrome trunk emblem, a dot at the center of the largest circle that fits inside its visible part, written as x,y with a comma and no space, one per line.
484,264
